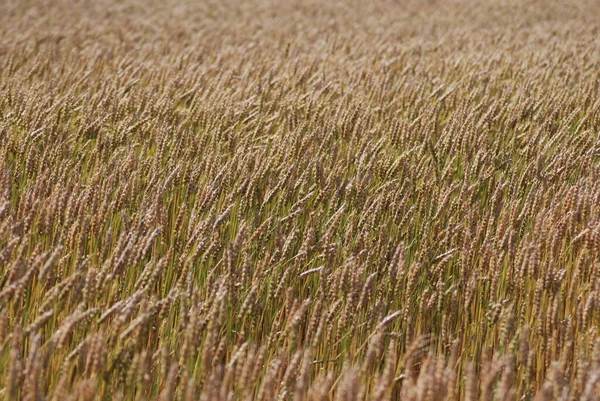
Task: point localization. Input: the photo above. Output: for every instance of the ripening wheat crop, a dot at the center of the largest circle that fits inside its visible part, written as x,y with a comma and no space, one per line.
299,200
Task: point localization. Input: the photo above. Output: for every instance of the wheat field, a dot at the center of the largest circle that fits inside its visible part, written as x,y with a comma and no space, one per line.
299,200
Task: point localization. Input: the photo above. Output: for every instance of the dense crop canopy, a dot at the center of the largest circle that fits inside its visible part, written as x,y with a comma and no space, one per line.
299,200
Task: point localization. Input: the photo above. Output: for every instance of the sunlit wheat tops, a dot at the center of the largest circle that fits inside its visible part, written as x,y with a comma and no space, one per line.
299,200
